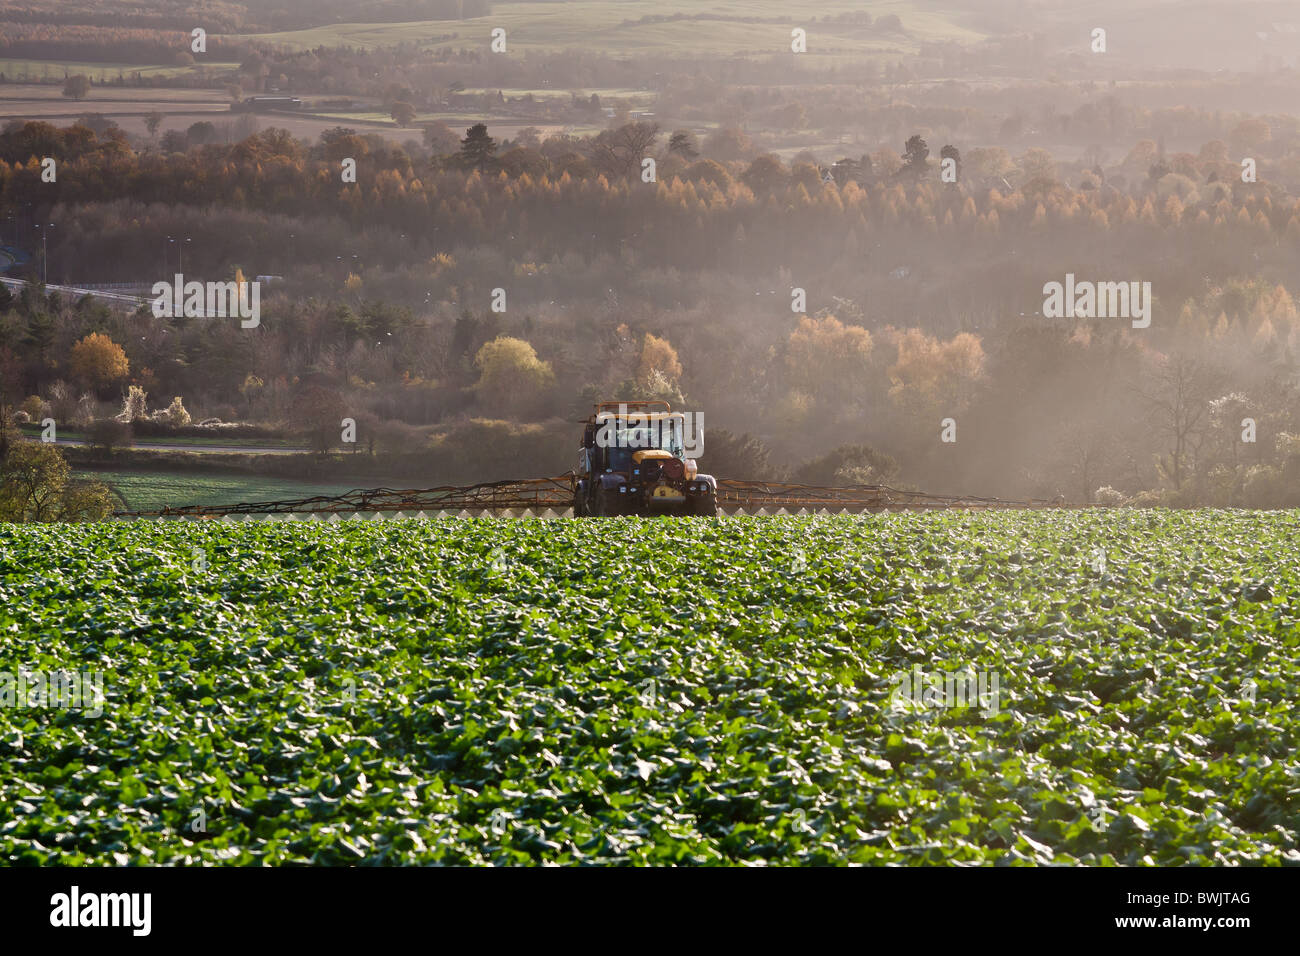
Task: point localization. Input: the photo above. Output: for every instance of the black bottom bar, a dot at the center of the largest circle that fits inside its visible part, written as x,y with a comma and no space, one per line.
301,907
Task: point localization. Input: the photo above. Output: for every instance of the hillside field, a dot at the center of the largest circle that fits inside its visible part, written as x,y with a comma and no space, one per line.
692,691
613,28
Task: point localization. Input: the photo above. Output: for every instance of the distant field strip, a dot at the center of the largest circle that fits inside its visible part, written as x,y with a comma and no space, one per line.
24,70
148,490
611,28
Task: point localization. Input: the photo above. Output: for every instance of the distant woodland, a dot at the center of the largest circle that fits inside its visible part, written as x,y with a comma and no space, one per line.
920,300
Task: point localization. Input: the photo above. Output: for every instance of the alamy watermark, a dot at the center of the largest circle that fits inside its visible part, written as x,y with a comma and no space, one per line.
678,431
917,690
1098,300
66,690
75,908
199,300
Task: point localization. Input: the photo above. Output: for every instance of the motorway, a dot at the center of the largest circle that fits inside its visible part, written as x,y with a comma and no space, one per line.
128,302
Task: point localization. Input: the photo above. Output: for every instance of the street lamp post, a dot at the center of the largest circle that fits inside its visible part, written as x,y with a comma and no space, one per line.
180,252
45,253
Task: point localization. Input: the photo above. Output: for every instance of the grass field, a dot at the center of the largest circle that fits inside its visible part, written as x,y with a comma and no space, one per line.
610,28
381,117
499,125
20,70
50,96
619,93
197,443
735,691
126,106
149,490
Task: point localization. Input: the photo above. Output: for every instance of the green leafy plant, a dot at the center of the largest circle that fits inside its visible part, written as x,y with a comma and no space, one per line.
668,692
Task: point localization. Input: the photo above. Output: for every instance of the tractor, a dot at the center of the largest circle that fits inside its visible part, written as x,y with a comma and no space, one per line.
634,460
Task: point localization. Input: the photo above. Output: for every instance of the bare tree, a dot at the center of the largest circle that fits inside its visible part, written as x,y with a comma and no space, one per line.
619,152
1177,399
1085,451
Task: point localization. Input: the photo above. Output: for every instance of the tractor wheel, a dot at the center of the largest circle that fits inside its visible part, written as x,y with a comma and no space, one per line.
579,506
705,505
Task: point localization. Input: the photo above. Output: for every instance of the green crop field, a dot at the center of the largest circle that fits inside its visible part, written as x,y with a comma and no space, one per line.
612,28
149,490
732,691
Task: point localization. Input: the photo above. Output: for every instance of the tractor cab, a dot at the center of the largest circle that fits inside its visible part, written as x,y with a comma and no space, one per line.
636,458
